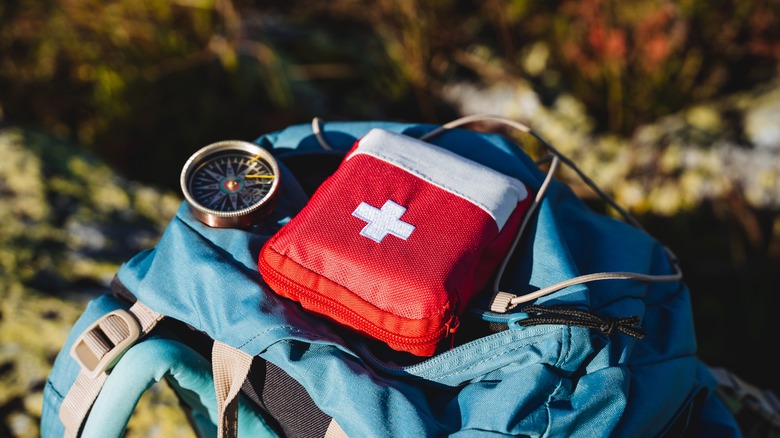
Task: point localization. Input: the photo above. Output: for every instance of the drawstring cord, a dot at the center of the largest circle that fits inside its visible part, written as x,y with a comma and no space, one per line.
581,318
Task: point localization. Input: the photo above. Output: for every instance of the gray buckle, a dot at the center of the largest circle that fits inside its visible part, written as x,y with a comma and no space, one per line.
762,401
100,346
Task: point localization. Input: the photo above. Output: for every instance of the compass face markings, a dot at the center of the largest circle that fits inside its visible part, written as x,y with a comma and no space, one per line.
229,168
230,183
258,170
214,174
246,168
216,201
233,198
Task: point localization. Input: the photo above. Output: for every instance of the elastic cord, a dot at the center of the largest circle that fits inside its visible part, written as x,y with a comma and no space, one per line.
503,301
316,128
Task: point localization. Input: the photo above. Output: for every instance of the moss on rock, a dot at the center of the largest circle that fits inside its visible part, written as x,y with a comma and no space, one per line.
68,223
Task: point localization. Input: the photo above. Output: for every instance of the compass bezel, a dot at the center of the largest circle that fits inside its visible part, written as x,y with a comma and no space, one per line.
229,219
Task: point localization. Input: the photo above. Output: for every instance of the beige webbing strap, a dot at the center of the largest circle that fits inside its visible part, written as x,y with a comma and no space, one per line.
147,317
335,431
96,350
230,368
78,402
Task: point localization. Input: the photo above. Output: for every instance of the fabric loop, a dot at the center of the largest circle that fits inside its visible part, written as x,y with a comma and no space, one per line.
230,368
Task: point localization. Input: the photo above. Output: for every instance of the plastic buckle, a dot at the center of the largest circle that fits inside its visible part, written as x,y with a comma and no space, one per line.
514,320
761,401
100,346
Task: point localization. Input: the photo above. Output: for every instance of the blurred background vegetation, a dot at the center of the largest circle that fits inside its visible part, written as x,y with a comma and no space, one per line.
671,106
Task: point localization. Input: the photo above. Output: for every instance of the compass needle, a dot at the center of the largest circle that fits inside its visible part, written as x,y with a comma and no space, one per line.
255,158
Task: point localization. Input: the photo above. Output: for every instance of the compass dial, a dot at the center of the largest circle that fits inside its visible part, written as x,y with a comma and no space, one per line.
230,183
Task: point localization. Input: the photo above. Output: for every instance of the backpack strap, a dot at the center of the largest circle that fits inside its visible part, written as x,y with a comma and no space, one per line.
96,350
230,368
335,431
101,346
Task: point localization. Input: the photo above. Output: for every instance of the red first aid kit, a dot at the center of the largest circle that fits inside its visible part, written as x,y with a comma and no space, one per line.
397,241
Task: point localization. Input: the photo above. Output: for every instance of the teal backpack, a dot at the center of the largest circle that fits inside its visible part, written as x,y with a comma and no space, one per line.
587,331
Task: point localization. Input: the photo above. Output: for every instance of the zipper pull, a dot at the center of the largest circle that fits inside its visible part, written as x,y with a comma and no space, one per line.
451,326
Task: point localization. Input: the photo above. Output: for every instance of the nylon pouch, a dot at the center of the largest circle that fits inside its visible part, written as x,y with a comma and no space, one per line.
397,241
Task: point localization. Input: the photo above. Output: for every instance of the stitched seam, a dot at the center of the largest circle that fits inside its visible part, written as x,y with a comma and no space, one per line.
424,367
488,359
565,345
53,388
289,327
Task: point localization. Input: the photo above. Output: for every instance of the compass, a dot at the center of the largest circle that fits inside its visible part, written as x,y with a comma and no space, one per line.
230,184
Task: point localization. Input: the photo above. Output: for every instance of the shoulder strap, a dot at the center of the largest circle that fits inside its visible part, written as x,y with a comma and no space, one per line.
99,348
230,367
96,350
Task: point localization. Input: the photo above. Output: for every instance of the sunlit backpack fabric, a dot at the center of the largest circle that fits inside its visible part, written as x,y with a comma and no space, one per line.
606,357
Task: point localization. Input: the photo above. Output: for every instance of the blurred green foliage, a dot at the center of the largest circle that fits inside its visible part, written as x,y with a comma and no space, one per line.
145,82
131,80
68,222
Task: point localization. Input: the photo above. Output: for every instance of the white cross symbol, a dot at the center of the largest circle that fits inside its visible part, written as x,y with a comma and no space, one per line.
384,221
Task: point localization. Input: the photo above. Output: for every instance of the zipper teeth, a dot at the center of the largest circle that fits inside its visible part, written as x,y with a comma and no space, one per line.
300,292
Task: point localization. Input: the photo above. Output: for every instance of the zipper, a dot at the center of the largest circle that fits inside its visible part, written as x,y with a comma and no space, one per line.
301,293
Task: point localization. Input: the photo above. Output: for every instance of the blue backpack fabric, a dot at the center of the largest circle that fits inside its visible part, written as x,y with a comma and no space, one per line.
546,380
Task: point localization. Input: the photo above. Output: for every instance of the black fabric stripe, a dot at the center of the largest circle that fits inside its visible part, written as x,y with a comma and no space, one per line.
285,400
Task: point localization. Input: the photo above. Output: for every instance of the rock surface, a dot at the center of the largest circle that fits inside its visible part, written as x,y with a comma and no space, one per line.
706,152
67,224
